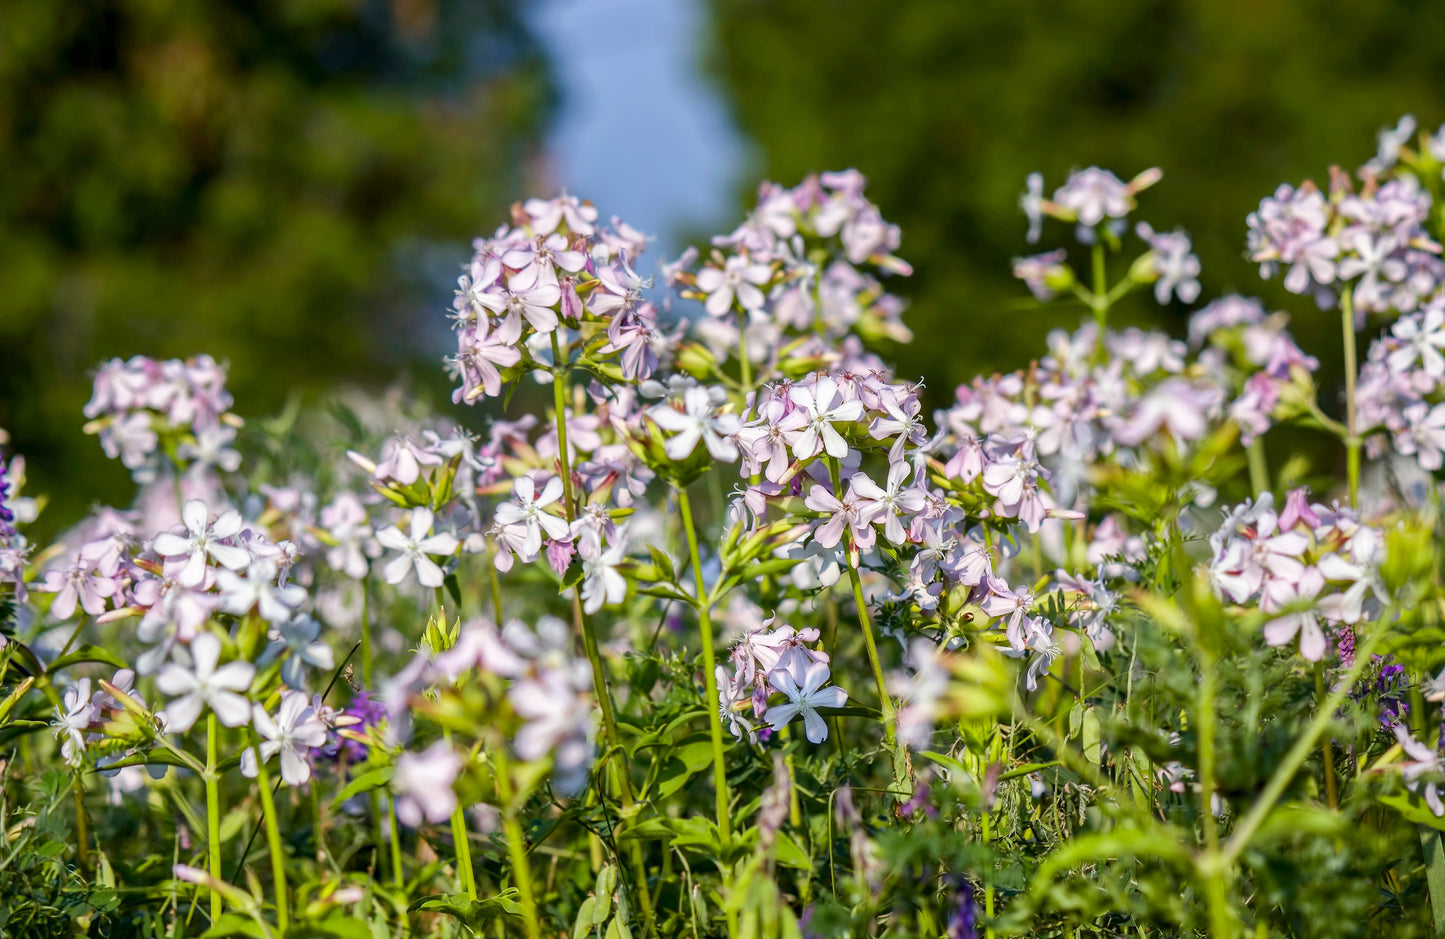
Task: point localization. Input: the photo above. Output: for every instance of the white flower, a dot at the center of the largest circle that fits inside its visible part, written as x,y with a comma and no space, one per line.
72,722
805,700
698,420
824,405
527,513
297,640
204,684
601,583
414,549
201,540
259,589
738,277
295,730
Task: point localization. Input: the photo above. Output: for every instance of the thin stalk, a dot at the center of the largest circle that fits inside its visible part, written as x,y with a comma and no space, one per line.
1100,300
714,719
1352,441
1258,467
461,845
1327,746
1206,717
213,813
987,835
273,845
516,845
746,363
583,622
396,871
82,825
885,703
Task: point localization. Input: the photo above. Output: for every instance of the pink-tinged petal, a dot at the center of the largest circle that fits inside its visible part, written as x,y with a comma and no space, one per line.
230,556
237,676
550,492
232,710
421,522
295,771
780,714
396,569
834,443
814,727
394,539
831,697
1277,632
427,572
168,545
831,532
194,573
195,515
249,767
63,606
813,678
229,524
175,680
263,723
1311,640
205,653
445,543
181,713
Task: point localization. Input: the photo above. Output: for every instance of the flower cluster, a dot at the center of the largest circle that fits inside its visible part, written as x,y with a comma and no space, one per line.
1307,567
777,659
1372,242
554,269
144,410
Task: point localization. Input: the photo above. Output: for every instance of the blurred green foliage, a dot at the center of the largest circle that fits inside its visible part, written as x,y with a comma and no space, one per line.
948,106
286,184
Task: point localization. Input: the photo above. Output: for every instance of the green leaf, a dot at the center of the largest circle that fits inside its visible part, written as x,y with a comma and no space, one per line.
1413,808
234,924
688,758
17,729
476,914
88,654
790,854
367,781
339,925
454,589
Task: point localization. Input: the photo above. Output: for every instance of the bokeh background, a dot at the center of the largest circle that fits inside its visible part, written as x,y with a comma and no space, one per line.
291,185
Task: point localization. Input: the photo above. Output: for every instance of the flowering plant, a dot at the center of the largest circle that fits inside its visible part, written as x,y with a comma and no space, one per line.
1066,657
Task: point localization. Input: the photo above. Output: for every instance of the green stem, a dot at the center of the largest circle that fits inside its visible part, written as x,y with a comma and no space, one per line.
583,622
1297,754
213,813
1327,746
714,719
746,363
396,871
884,702
1258,467
273,844
461,845
1101,300
516,844
1206,752
1352,441
82,825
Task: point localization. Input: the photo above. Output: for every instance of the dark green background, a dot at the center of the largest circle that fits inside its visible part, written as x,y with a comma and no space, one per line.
289,185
